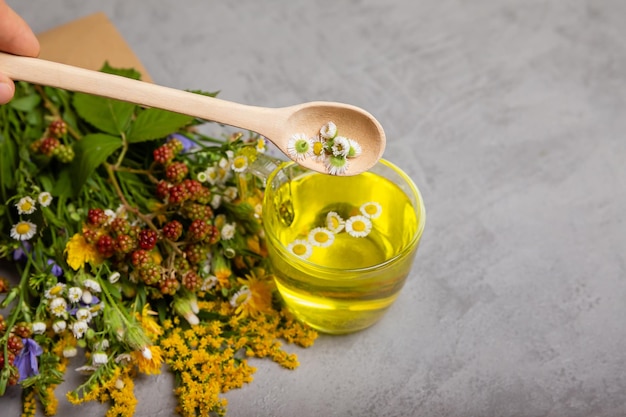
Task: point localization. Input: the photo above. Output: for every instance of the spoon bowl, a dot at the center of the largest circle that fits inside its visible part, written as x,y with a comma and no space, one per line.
278,125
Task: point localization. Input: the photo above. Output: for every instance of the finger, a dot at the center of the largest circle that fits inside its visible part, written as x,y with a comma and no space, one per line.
7,89
16,36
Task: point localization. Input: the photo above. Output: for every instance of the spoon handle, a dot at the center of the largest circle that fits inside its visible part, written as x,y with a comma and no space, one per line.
53,74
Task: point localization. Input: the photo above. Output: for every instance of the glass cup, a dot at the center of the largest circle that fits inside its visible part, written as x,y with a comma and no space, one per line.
341,247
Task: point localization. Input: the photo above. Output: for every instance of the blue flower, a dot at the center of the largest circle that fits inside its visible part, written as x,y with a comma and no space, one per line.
188,144
26,361
56,269
21,253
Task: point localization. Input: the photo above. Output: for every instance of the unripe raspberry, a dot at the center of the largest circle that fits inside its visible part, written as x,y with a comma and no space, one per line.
195,253
195,211
163,154
90,235
213,235
169,286
176,172
3,324
96,217
125,244
105,246
15,344
147,239
48,145
191,280
150,273
173,230
203,196
181,264
119,226
139,258
11,357
64,153
177,194
194,187
198,230
163,189
175,144
23,330
57,128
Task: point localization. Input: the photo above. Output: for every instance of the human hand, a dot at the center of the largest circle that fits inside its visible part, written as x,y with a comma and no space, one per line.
17,38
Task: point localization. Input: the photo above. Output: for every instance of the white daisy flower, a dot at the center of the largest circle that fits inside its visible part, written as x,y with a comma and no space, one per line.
341,146
208,283
39,327
23,230
321,236
99,358
59,326
358,226
216,201
44,198
92,285
240,296
228,231
110,215
83,314
223,163
79,328
58,307
26,205
212,176
230,193
299,147
319,149
55,290
69,351
329,130
101,345
334,222
74,294
240,163
301,248
355,149
371,209
336,165
261,145
87,297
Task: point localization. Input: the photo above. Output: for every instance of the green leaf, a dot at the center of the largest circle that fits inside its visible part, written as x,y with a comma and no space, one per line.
8,156
26,103
108,115
154,123
91,151
124,72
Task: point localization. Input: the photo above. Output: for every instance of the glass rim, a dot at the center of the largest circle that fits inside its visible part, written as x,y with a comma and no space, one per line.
419,210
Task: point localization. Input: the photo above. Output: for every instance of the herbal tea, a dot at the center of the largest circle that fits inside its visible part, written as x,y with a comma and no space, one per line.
341,247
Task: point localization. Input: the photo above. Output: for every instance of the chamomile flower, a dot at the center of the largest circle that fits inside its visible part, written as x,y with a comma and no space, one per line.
299,146
79,328
83,314
44,199
230,193
39,327
26,205
228,231
69,351
240,163
329,130
114,277
301,248
319,149
208,283
341,146
92,285
371,209
355,149
58,307
23,230
59,326
240,296
55,291
261,145
358,226
336,165
99,358
74,294
321,236
334,222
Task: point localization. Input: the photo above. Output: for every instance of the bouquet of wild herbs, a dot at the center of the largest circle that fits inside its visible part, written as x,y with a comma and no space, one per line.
137,244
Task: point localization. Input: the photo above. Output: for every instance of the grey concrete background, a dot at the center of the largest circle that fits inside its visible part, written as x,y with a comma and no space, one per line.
510,117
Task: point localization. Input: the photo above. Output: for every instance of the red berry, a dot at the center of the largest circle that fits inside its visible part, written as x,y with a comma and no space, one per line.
173,230
48,145
195,253
163,189
106,246
125,244
191,281
23,330
176,171
140,257
177,194
198,230
169,285
119,226
163,154
57,128
15,344
96,217
147,239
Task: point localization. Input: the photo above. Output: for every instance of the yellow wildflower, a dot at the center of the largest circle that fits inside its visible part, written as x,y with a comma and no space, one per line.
150,326
79,252
259,295
148,360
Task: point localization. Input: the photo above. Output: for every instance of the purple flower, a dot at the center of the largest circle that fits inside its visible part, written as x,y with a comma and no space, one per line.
21,253
26,361
72,310
56,269
187,143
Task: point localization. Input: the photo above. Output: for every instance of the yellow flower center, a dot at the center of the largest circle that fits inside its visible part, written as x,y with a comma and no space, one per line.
22,228
371,209
318,147
240,163
321,237
26,206
56,289
299,249
358,226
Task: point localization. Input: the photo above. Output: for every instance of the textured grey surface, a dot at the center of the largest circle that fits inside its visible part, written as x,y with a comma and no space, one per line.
510,117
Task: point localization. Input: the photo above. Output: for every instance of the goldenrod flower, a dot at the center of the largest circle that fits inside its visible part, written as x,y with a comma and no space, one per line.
79,252
255,296
148,360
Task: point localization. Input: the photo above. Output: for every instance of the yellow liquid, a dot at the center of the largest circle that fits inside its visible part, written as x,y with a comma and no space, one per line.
348,285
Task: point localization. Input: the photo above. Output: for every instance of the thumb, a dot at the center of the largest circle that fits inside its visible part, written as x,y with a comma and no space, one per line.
7,89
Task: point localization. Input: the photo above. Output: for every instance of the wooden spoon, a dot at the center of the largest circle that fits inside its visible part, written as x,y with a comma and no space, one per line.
276,124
